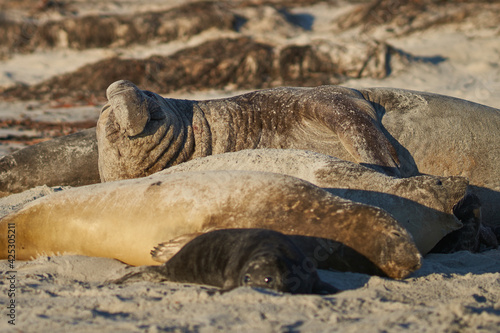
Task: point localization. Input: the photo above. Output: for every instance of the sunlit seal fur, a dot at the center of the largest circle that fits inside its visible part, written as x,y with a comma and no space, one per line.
127,219
398,131
410,132
233,258
422,204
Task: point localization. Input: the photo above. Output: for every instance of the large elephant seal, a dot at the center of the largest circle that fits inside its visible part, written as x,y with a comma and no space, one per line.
232,258
426,133
127,219
398,131
425,205
140,132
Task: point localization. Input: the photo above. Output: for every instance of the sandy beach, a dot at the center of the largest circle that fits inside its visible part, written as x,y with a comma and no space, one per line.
54,69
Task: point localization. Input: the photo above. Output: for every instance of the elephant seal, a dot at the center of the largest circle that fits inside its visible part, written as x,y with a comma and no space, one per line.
126,219
69,160
402,131
441,135
140,132
424,205
399,132
232,258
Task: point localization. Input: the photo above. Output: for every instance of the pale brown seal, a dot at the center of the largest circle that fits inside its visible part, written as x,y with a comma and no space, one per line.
68,160
127,219
426,133
424,205
443,136
232,258
398,131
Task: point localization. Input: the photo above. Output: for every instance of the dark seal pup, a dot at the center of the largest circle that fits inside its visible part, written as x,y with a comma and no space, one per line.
232,258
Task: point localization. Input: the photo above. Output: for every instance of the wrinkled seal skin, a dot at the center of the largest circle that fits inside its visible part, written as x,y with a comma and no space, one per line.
407,132
140,132
441,135
401,132
232,258
424,205
126,219
68,160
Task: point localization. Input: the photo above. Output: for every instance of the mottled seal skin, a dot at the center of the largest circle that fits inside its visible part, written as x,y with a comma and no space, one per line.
126,219
232,258
400,132
140,132
403,132
442,135
68,160
424,205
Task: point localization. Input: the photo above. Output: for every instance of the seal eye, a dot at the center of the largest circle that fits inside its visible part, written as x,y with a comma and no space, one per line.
247,279
268,280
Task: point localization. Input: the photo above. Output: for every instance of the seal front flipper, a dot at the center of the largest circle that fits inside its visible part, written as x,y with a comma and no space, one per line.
370,148
164,251
356,124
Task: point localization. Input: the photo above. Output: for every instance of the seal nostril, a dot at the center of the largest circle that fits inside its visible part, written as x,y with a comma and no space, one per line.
396,234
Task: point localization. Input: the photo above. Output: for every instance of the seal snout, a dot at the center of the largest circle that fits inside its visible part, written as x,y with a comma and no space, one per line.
130,106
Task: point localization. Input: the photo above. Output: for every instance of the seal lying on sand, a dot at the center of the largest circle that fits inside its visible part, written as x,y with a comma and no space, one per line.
424,205
441,135
126,219
398,131
68,160
233,258
141,133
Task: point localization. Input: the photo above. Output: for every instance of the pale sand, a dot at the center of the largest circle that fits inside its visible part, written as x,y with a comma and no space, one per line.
451,293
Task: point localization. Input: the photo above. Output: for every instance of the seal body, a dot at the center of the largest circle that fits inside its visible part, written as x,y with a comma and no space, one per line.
399,132
140,133
442,135
233,258
127,219
424,205
68,160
